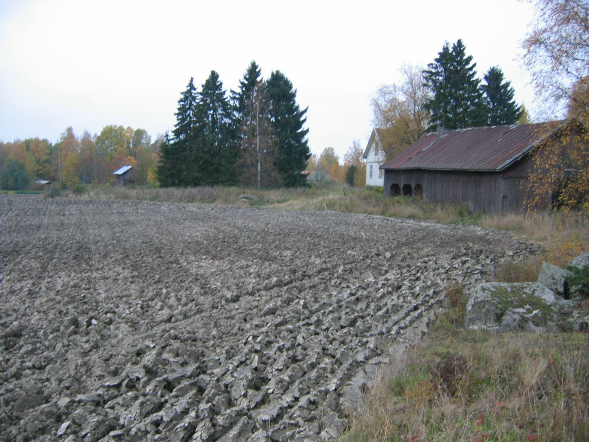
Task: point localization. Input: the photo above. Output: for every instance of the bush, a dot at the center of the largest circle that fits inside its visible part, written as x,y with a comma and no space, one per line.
53,191
80,189
579,281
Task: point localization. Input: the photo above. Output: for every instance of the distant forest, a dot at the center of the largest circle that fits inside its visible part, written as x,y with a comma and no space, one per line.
253,137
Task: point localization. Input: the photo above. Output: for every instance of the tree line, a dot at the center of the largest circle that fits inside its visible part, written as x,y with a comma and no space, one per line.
74,160
254,138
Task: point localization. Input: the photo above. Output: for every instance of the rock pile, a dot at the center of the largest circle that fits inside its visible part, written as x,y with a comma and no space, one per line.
552,303
154,321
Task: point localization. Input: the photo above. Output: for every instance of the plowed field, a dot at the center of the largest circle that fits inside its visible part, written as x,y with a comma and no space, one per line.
125,320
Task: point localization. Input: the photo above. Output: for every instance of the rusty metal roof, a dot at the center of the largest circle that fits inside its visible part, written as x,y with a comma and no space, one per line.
482,149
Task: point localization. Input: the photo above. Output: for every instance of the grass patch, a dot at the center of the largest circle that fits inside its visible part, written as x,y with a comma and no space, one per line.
21,192
324,196
463,385
527,270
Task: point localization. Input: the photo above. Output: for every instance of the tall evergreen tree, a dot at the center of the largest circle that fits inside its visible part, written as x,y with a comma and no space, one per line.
287,122
252,76
175,153
169,171
457,99
185,117
214,159
501,107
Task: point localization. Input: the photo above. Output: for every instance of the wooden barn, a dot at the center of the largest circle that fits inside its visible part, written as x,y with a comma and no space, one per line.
123,176
487,168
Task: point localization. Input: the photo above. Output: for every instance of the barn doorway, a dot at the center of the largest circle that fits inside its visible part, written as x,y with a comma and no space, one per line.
395,190
418,191
407,191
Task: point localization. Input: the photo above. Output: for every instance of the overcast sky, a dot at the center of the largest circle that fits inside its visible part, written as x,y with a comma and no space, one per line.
87,63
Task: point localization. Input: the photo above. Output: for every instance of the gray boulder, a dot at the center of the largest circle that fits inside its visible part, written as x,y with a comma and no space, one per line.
510,307
581,261
554,278
246,197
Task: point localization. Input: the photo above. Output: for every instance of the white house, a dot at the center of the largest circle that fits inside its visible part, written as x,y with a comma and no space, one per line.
374,157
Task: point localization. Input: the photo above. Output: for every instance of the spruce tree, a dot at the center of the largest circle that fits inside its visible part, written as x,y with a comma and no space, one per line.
185,118
175,153
287,122
501,107
252,76
457,99
170,162
215,155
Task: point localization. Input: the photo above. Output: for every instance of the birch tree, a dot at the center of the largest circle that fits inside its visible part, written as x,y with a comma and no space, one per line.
557,54
258,144
400,109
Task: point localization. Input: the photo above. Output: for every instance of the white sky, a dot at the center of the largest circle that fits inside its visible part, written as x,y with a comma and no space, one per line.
90,63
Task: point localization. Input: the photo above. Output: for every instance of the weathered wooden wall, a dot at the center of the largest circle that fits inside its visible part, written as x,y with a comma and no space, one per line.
490,192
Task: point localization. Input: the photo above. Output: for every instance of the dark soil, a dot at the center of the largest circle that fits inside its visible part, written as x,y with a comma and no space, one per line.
125,320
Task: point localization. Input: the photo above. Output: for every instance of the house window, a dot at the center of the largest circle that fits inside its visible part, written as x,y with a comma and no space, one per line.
380,171
370,176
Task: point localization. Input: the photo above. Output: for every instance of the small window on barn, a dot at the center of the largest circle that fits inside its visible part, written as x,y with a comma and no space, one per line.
418,191
395,190
407,191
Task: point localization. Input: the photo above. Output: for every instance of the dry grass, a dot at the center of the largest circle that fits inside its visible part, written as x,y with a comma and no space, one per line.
520,271
460,385
325,196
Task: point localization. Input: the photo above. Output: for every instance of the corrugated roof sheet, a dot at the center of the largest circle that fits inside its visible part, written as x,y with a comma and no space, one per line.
491,148
122,170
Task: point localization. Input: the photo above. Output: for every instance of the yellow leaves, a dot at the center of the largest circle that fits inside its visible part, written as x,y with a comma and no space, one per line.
14,151
565,247
31,166
69,173
399,108
560,175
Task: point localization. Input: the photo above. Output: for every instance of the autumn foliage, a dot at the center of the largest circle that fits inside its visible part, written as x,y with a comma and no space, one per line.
561,168
74,160
557,55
